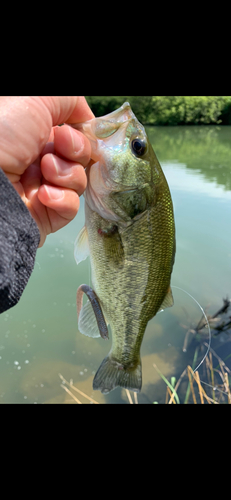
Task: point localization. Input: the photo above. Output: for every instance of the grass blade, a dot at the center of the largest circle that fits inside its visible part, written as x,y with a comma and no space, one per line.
168,384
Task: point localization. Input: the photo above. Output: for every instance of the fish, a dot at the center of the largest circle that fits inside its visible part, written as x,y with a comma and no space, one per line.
129,234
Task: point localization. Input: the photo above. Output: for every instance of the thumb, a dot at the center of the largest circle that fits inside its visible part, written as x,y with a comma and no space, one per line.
26,123
69,109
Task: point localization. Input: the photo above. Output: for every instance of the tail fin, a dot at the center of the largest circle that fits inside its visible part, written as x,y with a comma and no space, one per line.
112,374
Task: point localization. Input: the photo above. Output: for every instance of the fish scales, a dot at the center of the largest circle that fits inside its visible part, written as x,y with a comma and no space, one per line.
131,237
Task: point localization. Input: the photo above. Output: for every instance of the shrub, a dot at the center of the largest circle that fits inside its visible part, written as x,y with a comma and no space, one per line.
168,110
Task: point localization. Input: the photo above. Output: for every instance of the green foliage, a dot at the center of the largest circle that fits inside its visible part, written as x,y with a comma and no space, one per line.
142,107
101,105
226,110
178,110
169,110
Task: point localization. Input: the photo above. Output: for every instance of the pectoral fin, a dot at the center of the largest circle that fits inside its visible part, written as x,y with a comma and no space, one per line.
81,247
168,300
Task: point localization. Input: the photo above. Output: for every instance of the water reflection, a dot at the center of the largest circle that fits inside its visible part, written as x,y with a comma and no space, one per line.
206,150
39,337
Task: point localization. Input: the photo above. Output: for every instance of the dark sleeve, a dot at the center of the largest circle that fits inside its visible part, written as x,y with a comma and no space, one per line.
19,240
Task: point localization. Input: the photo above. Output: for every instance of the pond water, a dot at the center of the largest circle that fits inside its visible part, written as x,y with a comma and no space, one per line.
39,338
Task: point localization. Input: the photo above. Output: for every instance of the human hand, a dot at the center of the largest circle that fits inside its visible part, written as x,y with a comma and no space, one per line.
44,162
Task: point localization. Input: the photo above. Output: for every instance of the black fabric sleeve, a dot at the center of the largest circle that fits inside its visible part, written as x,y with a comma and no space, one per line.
19,240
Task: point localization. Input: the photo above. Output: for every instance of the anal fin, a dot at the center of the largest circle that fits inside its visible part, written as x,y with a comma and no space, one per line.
168,300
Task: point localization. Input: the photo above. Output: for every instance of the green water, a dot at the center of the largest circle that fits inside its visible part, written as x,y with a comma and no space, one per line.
39,337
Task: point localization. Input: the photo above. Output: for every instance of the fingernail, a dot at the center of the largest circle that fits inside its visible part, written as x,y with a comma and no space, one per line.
54,193
77,142
61,166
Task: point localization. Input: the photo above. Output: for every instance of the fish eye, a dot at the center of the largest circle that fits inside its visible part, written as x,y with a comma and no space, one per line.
139,146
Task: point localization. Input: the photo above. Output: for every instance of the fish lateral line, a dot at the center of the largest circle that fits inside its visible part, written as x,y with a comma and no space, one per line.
91,295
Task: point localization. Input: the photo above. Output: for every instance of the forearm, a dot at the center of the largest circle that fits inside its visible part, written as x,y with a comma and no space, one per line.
19,239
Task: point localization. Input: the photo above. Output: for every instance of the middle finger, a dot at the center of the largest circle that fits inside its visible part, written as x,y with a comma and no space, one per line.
60,172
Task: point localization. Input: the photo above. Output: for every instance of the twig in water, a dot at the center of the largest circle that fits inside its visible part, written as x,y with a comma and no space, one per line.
191,384
75,389
197,378
227,388
72,395
130,398
201,390
215,317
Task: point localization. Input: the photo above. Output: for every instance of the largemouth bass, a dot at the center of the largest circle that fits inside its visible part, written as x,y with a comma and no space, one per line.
129,234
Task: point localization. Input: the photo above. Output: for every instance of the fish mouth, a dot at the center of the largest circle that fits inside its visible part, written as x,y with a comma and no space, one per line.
106,125
109,123
99,130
